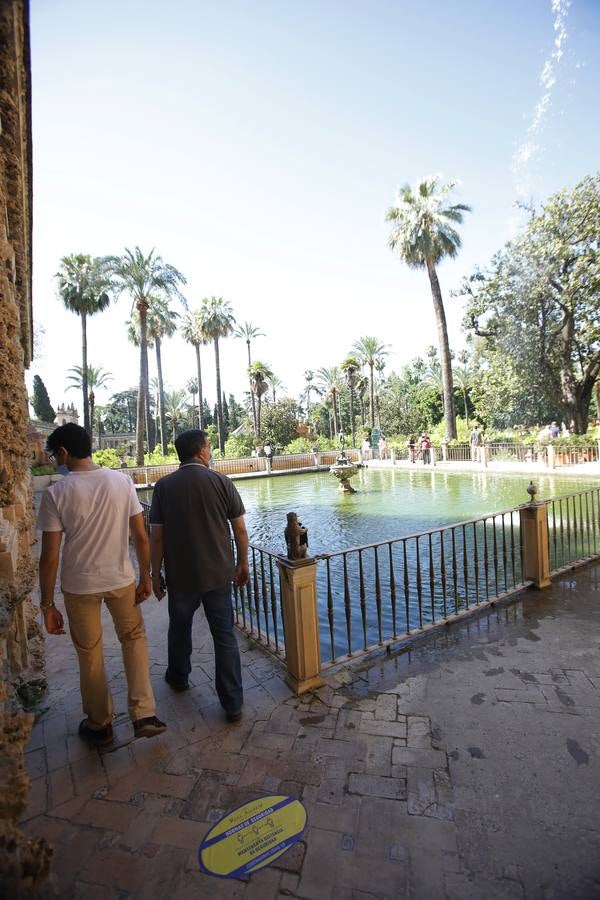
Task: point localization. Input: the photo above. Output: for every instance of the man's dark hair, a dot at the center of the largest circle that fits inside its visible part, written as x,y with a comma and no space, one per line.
189,442
73,438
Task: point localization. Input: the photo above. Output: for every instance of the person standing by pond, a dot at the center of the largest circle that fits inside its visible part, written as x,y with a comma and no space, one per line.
190,515
425,443
474,442
96,509
411,448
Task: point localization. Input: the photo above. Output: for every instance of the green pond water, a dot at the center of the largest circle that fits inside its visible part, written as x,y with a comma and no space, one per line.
387,503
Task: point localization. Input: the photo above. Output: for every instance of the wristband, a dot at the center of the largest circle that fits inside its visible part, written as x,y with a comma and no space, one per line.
45,606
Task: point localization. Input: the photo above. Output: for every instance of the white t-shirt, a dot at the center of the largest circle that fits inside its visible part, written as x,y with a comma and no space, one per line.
93,509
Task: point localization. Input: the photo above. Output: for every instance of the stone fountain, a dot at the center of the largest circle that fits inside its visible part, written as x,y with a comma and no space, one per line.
343,470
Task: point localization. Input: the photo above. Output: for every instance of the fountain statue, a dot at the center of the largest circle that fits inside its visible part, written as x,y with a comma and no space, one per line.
296,537
344,469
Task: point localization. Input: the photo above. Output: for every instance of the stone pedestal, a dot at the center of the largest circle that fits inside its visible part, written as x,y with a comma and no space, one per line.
298,580
535,546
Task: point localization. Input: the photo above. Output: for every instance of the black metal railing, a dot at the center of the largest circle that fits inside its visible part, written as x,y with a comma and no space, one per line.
386,590
573,529
257,606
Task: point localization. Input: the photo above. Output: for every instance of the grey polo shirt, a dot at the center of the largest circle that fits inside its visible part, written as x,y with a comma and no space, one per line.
194,506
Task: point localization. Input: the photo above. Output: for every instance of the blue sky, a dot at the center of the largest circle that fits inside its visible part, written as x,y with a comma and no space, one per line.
258,145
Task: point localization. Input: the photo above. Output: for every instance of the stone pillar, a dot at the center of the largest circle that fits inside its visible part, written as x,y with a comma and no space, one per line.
393,456
268,464
298,580
535,544
444,450
432,457
551,461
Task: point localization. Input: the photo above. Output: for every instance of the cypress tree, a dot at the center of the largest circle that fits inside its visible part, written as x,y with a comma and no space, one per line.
41,401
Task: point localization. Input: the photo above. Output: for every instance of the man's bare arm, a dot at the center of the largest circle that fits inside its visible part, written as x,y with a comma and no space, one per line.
51,541
157,552
142,551
240,536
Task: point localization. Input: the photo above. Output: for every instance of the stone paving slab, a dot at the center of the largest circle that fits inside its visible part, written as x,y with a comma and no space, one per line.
467,768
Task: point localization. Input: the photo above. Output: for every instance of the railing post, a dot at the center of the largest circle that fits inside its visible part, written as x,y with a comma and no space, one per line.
392,456
298,580
432,456
535,544
445,450
268,464
550,456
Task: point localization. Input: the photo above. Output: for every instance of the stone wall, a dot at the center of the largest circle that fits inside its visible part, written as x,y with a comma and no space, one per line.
24,863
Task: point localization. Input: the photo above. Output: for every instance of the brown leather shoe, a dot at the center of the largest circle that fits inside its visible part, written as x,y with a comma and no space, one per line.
100,737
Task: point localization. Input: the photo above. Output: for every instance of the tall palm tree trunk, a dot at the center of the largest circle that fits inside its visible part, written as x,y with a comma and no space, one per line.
220,428
352,415
84,375
161,400
372,394
143,387
445,360
252,397
464,393
200,398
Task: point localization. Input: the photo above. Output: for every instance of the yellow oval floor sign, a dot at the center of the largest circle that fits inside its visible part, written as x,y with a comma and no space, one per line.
252,836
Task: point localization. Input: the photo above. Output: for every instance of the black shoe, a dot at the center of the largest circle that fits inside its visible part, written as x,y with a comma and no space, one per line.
178,686
148,727
233,715
100,737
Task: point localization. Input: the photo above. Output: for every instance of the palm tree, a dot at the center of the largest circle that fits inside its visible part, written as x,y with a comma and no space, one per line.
83,286
309,377
143,277
191,331
276,384
362,383
329,384
217,321
247,331
463,378
192,388
175,402
432,372
350,367
369,351
423,234
258,373
161,323
96,378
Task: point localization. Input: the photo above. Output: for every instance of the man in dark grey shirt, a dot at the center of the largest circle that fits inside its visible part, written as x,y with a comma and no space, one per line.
190,515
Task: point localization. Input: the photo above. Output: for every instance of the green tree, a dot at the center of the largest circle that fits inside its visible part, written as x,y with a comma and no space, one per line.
370,351
276,384
143,277
218,322
41,401
329,382
96,378
192,332
247,332
423,234
537,304
161,323
175,402
258,373
84,287
351,367
280,421
120,412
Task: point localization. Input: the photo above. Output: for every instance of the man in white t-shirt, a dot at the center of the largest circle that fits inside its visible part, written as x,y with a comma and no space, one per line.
96,509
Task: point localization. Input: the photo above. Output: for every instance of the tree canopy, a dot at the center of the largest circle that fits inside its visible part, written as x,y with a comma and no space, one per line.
40,401
535,311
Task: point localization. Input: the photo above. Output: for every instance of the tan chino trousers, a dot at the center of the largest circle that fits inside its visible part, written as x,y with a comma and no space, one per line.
84,615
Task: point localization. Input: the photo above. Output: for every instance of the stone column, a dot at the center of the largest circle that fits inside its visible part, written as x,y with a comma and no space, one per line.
535,544
268,464
444,450
551,461
393,456
298,580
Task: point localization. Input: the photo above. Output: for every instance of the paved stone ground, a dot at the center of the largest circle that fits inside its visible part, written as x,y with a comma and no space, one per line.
467,768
